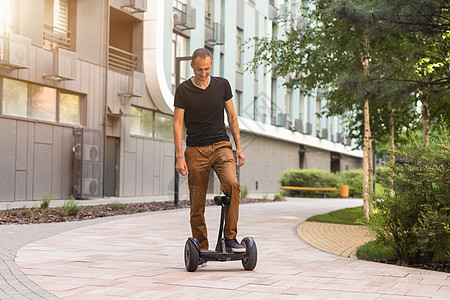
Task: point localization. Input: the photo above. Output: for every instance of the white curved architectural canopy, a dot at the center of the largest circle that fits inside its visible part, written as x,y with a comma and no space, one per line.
154,57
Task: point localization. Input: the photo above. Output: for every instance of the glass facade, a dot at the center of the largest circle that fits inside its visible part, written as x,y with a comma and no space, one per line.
38,102
69,109
149,123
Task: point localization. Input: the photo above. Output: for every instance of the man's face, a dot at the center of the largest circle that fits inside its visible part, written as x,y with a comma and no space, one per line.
201,67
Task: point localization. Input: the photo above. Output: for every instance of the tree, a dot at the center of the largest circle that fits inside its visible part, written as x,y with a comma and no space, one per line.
342,49
427,22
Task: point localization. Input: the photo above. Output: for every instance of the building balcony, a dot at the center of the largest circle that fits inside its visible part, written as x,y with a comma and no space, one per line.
56,37
122,61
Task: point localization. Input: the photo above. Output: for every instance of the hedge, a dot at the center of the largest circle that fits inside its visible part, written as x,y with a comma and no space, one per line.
321,178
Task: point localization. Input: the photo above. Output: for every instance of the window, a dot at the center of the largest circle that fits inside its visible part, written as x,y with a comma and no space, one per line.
238,103
288,102
141,121
15,98
43,103
146,122
222,65
179,4
7,16
33,101
56,24
238,50
273,101
163,126
255,108
208,12
69,108
179,49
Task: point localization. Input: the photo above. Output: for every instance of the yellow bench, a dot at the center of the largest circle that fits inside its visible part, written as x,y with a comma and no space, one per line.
298,188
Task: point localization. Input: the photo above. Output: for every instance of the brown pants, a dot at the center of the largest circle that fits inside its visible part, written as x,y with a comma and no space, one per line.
200,160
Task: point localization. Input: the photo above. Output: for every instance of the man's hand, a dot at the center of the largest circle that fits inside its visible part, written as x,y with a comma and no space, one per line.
240,158
182,166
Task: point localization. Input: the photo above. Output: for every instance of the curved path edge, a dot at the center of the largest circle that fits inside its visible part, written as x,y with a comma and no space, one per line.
339,239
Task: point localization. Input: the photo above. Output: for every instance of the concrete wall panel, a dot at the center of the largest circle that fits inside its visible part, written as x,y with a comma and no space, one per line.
74,85
90,44
30,160
85,75
90,99
21,146
44,133
44,66
147,167
42,179
99,98
7,159
130,143
33,61
266,159
317,159
129,188
167,183
32,19
67,162
157,153
56,162
139,166
348,163
20,186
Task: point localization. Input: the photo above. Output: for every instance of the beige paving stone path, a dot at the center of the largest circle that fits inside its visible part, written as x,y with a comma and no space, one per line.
338,239
141,257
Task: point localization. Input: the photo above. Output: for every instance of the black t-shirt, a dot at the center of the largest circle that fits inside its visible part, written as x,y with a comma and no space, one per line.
204,111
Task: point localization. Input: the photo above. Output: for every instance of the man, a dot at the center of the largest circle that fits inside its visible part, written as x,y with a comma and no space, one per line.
200,102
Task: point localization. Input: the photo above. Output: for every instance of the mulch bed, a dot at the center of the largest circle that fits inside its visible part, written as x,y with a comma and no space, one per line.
49,215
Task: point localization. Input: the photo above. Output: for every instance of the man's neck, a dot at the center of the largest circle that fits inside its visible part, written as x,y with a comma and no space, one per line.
203,84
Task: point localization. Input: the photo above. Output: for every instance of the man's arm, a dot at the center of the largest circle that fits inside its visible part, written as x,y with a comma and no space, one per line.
178,118
234,126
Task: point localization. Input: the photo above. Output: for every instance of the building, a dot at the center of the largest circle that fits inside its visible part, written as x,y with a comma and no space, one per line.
86,93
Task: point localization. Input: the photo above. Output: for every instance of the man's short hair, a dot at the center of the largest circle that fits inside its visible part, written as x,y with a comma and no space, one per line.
201,52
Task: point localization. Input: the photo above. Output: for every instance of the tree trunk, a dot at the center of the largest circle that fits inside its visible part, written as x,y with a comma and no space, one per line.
426,123
371,175
367,150
391,146
367,186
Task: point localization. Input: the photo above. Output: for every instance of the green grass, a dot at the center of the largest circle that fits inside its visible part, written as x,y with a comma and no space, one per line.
375,251
347,216
116,205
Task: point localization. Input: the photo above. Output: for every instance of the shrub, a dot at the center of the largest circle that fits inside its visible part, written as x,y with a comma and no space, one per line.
354,180
46,201
116,205
95,209
244,191
382,174
27,213
415,221
310,178
278,197
70,207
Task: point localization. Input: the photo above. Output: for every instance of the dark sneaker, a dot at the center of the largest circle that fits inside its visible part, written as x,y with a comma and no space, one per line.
202,263
234,246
